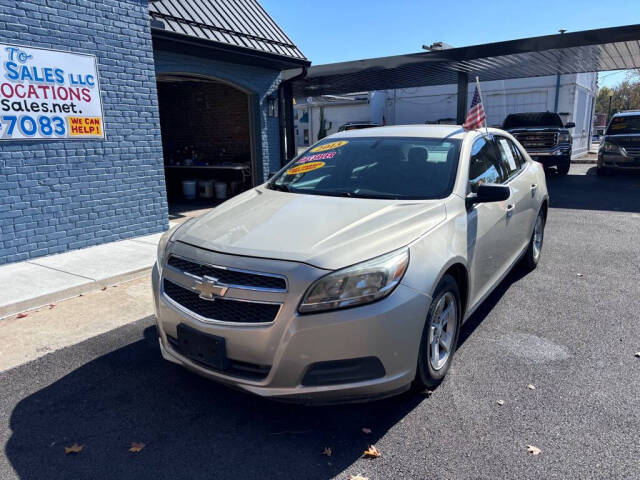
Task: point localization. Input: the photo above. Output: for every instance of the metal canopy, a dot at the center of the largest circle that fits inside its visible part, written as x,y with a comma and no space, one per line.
235,25
615,48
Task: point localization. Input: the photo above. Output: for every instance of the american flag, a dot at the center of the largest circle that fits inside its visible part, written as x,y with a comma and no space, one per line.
476,117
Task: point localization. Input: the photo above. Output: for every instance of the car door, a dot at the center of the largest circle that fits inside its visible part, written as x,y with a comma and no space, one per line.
486,222
519,208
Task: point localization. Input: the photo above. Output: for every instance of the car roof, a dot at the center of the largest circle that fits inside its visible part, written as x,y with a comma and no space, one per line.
633,113
419,130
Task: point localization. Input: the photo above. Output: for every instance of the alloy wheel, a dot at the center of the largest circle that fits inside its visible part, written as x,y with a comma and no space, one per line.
538,235
442,330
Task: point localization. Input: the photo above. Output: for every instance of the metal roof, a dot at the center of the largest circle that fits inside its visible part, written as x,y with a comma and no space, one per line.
237,23
613,48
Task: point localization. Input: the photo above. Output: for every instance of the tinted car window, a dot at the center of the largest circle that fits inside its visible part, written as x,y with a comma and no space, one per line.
518,155
536,119
374,167
510,163
484,166
624,125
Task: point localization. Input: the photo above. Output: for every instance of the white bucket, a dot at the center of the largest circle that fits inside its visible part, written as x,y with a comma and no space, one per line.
205,188
189,189
221,190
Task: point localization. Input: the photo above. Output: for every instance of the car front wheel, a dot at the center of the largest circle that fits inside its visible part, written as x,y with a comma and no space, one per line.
440,334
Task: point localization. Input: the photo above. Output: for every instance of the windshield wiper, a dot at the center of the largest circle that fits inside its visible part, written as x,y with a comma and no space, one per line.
280,188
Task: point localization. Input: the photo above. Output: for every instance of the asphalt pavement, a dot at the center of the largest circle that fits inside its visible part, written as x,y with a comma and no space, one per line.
570,329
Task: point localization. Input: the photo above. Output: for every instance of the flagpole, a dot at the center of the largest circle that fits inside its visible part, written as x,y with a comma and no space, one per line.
486,128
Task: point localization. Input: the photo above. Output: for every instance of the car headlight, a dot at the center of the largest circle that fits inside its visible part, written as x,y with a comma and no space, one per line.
610,147
359,284
564,138
162,244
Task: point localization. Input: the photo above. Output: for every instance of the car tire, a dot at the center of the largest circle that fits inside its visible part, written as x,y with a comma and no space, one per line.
602,171
534,250
563,169
441,330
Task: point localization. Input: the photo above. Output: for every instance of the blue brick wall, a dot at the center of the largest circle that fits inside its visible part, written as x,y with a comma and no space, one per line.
254,80
61,195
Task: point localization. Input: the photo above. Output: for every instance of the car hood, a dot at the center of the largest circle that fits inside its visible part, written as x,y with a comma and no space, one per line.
537,129
326,232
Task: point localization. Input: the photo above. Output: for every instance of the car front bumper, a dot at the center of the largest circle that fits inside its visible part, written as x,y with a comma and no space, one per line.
618,161
388,331
559,156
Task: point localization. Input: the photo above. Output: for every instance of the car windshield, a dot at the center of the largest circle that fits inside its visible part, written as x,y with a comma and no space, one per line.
374,167
624,125
541,119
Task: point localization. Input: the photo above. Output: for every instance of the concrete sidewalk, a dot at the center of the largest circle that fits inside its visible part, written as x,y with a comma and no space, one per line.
34,283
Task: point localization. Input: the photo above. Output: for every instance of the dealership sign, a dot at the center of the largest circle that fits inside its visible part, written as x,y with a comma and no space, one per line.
48,95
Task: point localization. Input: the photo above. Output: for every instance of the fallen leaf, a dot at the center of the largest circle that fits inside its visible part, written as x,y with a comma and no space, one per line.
638,354
366,430
136,447
372,452
500,402
327,451
22,315
104,288
579,275
533,450
427,393
75,448
531,386
51,305
357,477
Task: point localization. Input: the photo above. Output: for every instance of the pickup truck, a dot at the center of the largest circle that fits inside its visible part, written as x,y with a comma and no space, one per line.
545,138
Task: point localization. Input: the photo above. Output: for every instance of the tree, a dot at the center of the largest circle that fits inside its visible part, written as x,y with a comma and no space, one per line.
626,96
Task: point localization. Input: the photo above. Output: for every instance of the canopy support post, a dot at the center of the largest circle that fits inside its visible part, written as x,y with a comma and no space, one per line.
463,87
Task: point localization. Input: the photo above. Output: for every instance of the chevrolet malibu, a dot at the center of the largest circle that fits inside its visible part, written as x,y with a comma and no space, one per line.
349,274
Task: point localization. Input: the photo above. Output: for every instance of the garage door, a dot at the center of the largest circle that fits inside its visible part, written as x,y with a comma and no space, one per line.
499,105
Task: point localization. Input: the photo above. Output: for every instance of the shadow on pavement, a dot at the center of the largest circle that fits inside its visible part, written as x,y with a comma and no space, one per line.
620,193
192,428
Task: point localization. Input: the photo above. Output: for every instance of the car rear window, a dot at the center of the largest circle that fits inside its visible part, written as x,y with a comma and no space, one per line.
374,167
627,124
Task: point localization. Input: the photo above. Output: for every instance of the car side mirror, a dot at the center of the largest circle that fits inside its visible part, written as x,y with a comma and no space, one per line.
569,125
488,192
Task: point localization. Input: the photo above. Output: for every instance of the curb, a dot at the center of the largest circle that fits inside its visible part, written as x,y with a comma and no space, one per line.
65,294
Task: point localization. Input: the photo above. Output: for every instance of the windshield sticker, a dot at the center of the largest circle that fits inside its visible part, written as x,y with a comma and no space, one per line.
305,167
316,157
330,146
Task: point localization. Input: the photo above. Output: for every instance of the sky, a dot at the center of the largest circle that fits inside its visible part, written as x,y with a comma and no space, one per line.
334,31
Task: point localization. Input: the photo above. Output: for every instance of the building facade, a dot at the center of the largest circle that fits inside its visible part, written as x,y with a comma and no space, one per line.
437,104
96,178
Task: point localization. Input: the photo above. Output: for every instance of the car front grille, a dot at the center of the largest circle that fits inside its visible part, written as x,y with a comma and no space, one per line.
230,277
537,140
633,151
221,309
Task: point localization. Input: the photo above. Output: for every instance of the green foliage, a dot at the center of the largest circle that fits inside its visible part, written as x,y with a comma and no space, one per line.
625,96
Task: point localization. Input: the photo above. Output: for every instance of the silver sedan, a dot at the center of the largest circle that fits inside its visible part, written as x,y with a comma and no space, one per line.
349,274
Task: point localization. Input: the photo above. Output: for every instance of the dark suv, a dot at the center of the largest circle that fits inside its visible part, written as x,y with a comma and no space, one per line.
620,147
544,137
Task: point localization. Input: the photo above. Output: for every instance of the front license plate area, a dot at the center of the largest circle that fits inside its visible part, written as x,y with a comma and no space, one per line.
209,350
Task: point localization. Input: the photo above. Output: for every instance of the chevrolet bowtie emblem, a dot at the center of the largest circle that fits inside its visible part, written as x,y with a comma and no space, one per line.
208,288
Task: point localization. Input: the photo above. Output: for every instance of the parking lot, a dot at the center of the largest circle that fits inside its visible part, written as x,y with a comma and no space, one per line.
570,329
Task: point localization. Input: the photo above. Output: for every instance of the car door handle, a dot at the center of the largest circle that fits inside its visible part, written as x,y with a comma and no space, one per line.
534,187
510,209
